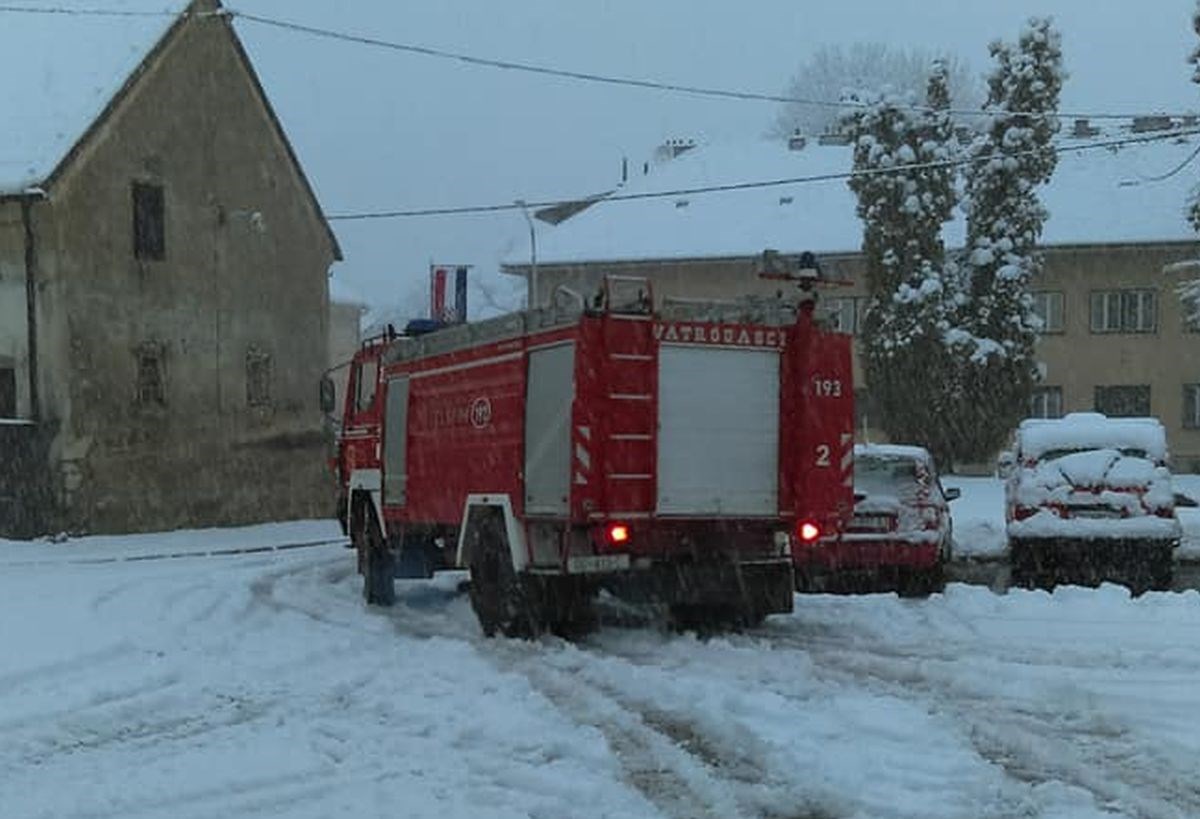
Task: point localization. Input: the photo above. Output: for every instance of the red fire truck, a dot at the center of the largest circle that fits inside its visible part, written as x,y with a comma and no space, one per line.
678,456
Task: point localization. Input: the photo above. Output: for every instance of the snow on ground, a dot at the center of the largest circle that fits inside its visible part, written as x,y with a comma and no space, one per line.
258,685
978,517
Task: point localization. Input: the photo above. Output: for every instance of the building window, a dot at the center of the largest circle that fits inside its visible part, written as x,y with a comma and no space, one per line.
1046,402
842,313
150,387
1125,401
1124,311
1048,306
1191,406
8,392
258,378
149,222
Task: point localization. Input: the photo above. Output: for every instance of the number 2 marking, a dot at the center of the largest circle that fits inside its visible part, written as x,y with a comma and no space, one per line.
822,454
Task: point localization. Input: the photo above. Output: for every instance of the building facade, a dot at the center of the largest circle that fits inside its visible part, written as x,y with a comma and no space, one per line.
165,309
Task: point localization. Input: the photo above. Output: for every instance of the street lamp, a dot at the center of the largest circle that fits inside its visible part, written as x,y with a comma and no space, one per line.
531,294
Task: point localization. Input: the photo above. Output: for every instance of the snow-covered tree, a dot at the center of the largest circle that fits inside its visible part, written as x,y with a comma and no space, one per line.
1009,160
912,292
832,73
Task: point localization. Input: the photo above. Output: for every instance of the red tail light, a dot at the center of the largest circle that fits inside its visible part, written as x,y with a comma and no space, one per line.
808,531
617,534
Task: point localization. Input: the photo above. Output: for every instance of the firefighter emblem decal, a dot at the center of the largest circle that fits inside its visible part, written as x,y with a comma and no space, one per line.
481,412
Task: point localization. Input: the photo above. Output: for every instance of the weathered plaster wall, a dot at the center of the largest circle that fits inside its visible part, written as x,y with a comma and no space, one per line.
244,271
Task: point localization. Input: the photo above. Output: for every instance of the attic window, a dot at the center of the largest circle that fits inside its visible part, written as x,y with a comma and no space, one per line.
785,200
149,223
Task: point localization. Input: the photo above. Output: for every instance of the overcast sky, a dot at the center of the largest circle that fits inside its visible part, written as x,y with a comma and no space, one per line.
378,129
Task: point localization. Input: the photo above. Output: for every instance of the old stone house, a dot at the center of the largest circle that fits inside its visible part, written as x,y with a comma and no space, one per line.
164,310
1116,336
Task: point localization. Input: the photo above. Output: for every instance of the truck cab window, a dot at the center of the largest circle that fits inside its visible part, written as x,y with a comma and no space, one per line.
368,374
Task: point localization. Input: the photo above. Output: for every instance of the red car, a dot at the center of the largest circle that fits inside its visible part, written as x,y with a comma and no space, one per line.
900,536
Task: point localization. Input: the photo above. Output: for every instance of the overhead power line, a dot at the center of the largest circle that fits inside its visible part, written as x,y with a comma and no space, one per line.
551,71
68,11
1163,177
632,82
769,183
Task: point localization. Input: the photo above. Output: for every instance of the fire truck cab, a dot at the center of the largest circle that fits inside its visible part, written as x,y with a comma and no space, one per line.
678,456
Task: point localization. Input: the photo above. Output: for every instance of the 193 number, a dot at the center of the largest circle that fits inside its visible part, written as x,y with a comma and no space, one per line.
827,387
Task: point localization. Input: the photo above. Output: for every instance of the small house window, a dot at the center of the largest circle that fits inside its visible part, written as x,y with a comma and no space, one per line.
1046,402
149,223
8,392
1048,306
150,388
1191,406
1124,401
258,378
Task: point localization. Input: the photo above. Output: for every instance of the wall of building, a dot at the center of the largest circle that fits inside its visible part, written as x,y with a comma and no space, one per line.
244,275
1077,359
345,336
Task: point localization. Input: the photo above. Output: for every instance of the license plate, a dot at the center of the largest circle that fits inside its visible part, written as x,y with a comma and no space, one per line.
874,523
587,564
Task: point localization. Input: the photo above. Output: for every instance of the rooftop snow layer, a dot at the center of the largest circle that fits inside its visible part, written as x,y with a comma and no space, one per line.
1101,196
914,453
59,71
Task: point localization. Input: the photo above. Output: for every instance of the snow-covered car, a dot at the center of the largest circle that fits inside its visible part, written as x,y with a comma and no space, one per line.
900,535
1089,499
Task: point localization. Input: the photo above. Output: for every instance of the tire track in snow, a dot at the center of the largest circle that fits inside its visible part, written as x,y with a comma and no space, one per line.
1031,744
683,771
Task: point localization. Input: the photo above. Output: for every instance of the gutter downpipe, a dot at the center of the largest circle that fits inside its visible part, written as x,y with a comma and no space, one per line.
31,305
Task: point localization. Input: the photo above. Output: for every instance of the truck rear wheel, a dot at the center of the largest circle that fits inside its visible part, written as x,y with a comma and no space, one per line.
501,600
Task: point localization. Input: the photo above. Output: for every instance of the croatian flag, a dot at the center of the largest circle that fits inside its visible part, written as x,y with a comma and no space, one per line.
439,284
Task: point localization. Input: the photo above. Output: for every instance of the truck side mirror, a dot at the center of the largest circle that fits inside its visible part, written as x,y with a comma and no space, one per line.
328,396
952,493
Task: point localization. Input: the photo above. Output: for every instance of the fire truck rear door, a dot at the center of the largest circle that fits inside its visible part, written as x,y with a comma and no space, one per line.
718,436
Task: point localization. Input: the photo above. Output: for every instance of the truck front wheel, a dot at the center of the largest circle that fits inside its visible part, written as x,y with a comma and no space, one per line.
376,561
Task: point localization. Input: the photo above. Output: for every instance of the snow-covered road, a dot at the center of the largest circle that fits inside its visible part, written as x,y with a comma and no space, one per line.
258,685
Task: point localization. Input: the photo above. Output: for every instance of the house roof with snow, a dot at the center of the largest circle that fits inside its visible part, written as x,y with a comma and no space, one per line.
65,65
1100,196
59,72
